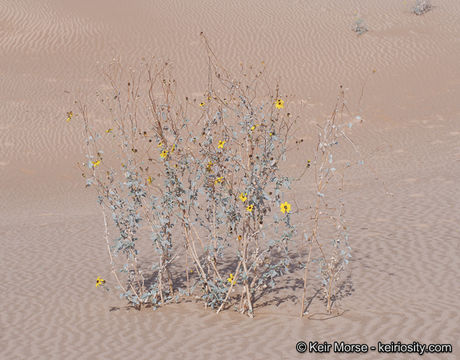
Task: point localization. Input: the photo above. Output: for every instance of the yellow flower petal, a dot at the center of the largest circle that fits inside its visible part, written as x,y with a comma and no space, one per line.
69,116
279,104
285,207
231,279
99,281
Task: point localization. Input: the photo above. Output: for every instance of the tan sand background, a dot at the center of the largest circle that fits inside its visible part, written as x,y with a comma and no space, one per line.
406,264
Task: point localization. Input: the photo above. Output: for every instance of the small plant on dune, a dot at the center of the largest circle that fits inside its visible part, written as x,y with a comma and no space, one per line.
359,26
421,7
328,234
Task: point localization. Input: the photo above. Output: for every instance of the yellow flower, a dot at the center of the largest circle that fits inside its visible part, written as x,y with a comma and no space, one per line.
173,147
109,130
253,127
271,134
149,179
96,163
231,279
279,104
285,208
160,145
243,197
219,180
202,104
163,154
221,144
69,116
209,166
99,281
250,207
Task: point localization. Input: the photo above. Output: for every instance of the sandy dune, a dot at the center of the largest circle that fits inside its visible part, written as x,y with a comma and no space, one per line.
406,257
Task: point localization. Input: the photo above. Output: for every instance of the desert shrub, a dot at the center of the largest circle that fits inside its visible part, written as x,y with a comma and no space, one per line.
212,186
201,180
421,7
328,233
243,143
127,185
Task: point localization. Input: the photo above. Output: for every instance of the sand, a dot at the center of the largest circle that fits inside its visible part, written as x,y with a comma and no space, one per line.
406,257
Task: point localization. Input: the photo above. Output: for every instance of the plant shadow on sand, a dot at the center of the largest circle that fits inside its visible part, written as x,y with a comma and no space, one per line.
286,291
